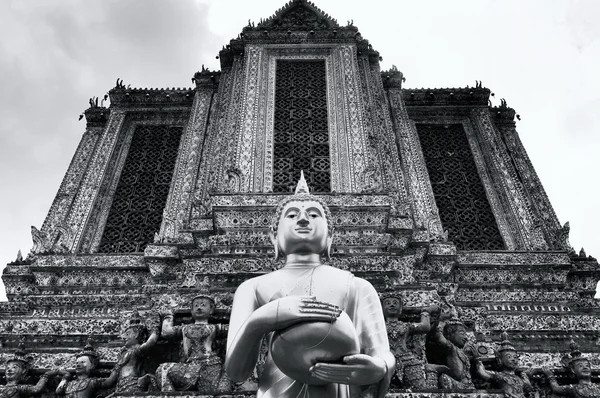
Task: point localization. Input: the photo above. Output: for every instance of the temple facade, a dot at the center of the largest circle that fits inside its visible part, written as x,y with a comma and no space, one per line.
172,192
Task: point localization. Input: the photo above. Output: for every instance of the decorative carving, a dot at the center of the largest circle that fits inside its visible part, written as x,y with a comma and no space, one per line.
202,369
449,341
473,96
497,159
413,164
130,362
298,15
81,385
180,198
17,368
43,245
512,381
98,216
580,366
90,183
410,360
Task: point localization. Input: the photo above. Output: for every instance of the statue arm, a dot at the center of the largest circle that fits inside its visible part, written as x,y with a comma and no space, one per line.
560,390
62,386
34,390
554,387
110,381
168,330
526,381
151,342
482,373
375,365
425,325
249,322
438,337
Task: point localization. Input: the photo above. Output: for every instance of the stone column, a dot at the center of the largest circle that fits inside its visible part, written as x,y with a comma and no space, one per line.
57,228
420,194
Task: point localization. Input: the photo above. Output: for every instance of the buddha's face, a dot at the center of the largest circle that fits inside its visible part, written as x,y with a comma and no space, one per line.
14,371
509,359
582,369
202,308
302,228
392,307
83,365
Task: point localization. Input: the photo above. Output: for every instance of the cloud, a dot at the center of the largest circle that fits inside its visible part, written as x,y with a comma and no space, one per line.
55,54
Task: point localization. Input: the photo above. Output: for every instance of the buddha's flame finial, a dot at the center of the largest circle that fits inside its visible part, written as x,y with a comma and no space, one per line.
302,187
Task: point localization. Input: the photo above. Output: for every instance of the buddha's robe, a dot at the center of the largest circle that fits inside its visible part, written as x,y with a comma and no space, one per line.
353,295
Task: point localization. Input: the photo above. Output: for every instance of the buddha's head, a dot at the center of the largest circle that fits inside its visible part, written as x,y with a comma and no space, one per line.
202,307
302,225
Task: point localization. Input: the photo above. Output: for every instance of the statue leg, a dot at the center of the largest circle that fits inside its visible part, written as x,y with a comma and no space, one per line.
183,376
211,377
413,371
448,383
162,376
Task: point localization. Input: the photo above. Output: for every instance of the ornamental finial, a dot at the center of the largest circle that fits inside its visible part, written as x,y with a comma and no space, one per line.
302,187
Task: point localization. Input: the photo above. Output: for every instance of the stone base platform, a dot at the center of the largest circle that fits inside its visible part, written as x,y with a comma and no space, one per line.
390,394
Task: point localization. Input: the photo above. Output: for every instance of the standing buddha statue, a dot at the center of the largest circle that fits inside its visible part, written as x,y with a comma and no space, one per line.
324,327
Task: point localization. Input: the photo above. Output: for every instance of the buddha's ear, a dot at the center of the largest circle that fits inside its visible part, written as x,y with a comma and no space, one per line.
328,247
273,237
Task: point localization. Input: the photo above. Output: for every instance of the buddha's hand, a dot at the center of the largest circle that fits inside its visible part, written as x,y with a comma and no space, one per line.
294,309
359,369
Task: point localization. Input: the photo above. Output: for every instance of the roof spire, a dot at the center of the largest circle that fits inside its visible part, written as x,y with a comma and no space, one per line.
302,187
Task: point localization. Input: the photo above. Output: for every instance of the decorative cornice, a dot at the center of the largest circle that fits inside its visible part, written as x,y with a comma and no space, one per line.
503,115
392,78
465,96
96,116
206,79
150,97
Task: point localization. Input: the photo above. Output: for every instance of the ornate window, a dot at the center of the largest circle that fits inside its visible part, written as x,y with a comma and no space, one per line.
136,211
301,137
459,193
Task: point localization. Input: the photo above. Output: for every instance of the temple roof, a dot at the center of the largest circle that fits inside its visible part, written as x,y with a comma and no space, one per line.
299,15
298,22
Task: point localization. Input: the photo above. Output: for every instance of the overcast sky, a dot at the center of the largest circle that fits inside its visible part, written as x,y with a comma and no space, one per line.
542,56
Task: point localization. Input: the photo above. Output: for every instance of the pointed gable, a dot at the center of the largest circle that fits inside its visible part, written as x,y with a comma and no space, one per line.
299,15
